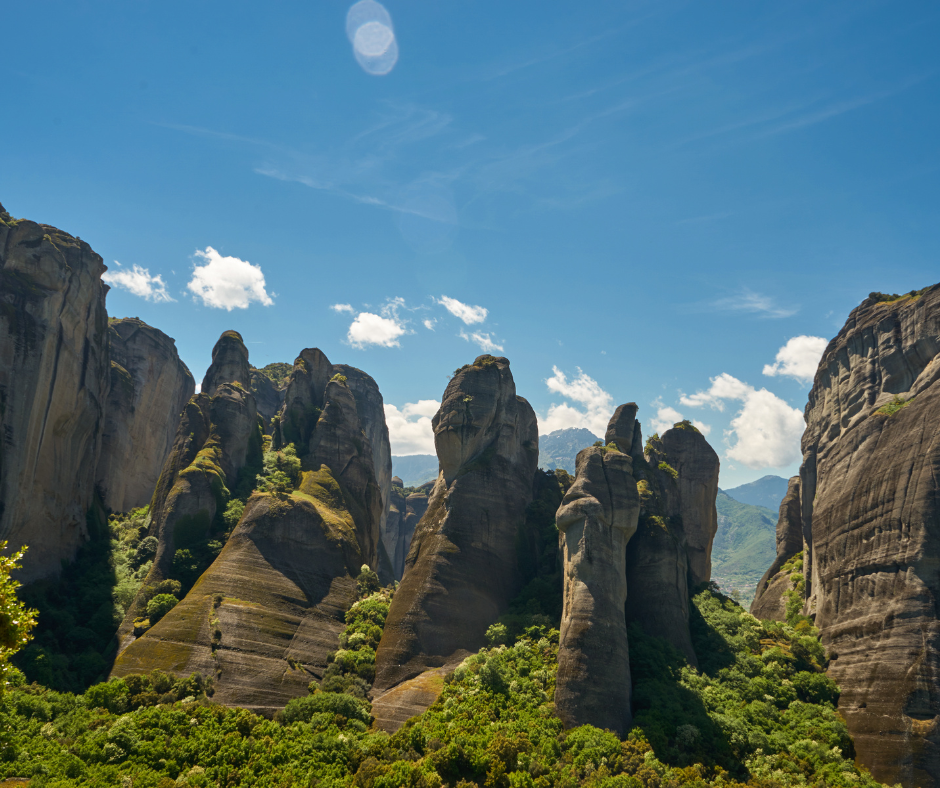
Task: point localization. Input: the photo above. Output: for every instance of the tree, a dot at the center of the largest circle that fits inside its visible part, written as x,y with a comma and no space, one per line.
16,620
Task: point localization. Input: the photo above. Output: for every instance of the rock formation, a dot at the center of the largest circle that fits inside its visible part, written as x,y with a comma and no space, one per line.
462,571
596,520
264,616
769,601
870,506
269,397
671,552
219,433
150,385
403,516
54,382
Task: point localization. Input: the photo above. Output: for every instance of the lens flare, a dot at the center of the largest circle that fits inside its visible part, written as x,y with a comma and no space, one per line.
370,31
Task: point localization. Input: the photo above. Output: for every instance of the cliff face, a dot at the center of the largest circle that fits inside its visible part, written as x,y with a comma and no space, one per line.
596,520
462,570
269,398
54,382
267,612
217,434
671,552
404,512
769,601
870,501
150,385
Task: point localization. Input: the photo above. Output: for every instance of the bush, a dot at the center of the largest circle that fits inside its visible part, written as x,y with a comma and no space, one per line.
159,606
303,709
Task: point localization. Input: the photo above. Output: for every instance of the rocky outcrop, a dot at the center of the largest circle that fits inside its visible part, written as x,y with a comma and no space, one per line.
263,618
55,376
596,520
769,601
269,397
335,416
150,385
217,436
462,569
670,555
870,506
403,515
266,614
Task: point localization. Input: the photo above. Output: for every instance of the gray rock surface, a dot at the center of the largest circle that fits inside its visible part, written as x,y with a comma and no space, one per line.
229,364
870,501
150,385
462,569
269,398
55,376
596,520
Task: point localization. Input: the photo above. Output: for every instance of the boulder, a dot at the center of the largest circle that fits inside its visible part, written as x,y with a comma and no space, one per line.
462,569
150,385
596,520
55,376
870,507
769,601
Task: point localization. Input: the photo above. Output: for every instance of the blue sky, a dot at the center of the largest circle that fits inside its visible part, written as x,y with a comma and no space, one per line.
648,199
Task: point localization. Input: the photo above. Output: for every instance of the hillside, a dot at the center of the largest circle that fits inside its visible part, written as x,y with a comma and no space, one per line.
744,546
559,449
415,469
768,491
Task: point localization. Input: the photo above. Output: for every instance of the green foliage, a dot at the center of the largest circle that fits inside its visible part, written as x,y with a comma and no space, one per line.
653,443
281,471
895,406
745,545
278,373
16,620
686,425
80,611
233,513
667,468
332,703
159,606
338,378
888,298
367,582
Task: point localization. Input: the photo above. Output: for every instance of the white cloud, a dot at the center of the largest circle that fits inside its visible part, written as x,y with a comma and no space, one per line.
597,404
485,341
139,282
342,308
384,330
752,303
705,429
798,358
469,314
227,282
429,324
409,429
765,432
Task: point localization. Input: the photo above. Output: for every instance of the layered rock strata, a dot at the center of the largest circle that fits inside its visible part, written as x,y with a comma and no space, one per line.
150,385
670,555
462,567
55,376
870,506
770,601
596,520
266,614
217,435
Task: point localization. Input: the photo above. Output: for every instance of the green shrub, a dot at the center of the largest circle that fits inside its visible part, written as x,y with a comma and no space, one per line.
303,709
159,606
895,406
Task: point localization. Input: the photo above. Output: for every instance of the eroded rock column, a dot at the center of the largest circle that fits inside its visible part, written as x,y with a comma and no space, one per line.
596,520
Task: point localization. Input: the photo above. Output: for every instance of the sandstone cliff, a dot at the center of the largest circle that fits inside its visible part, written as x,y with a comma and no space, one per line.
150,385
596,520
770,601
54,381
218,434
671,552
462,569
870,506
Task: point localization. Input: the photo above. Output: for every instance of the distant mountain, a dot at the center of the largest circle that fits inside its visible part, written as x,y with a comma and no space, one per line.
744,546
767,491
415,469
559,449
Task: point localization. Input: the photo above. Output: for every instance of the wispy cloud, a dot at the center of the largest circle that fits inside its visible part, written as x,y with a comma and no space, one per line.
748,302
